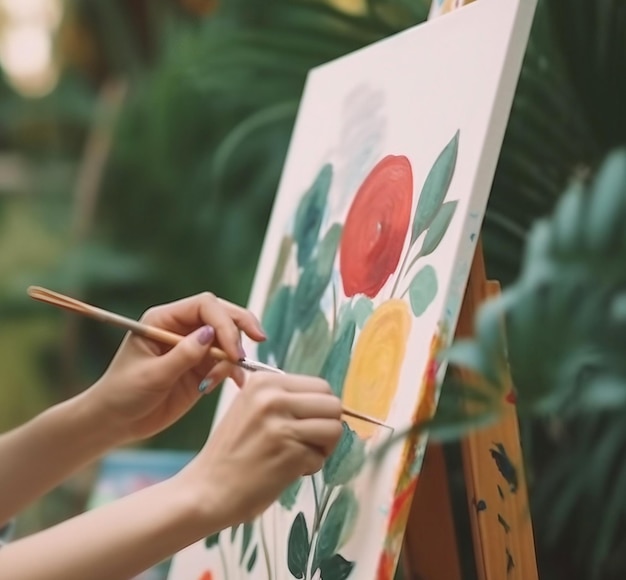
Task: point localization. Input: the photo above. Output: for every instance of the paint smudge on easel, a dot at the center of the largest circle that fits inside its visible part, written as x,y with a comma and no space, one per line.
510,562
505,466
504,524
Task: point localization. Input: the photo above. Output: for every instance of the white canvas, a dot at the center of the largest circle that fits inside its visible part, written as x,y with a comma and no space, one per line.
397,144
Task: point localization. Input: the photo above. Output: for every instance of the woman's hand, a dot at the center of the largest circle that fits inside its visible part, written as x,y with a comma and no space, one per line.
148,386
278,428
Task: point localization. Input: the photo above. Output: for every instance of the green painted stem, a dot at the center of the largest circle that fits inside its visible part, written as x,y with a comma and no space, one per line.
223,559
406,271
317,501
316,529
266,552
335,313
414,261
399,276
326,498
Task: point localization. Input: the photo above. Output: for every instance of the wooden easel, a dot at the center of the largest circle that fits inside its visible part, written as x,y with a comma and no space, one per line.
501,526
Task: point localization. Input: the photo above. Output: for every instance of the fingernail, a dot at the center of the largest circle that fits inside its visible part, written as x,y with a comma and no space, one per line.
205,384
242,353
206,335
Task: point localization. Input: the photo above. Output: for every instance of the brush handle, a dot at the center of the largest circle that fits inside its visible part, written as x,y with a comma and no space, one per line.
101,315
152,333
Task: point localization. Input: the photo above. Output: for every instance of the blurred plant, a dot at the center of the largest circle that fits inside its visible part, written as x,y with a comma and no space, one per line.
564,330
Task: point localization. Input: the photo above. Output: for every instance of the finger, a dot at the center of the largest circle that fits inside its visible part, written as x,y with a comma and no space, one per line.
313,461
245,320
196,310
238,375
314,406
187,354
202,309
320,434
302,384
217,374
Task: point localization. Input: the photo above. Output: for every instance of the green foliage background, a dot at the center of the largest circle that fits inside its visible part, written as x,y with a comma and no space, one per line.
196,156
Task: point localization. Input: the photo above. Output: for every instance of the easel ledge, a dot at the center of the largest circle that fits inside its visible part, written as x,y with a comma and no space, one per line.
498,505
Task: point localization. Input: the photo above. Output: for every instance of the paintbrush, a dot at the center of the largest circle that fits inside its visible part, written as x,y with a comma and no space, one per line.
158,335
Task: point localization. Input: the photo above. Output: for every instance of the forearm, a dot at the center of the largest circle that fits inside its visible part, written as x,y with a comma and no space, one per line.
37,456
114,542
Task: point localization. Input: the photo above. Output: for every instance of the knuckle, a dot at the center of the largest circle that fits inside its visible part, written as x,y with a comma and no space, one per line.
208,297
267,401
276,435
323,386
312,463
337,407
187,352
150,314
335,433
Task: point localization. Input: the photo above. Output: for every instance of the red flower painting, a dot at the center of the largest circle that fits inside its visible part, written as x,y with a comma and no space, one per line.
386,566
376,227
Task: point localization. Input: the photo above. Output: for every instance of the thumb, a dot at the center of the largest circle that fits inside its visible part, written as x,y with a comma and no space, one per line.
189,352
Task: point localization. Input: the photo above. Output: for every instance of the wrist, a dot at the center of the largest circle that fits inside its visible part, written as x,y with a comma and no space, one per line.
204,501
99,431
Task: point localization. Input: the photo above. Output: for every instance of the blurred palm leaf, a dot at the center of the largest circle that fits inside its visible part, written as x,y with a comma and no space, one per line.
565,331
592,36
548,141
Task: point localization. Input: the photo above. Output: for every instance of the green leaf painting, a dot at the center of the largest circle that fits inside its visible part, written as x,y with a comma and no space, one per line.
337,526
281,263
347,459
279,326
362,310
435,188
338,360
310,348
336,568
288,498
423,290
310,214
438,228
212,541
248,527
315,278
298,547
252,560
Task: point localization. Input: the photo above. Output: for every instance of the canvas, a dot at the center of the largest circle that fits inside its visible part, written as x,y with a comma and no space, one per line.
362,275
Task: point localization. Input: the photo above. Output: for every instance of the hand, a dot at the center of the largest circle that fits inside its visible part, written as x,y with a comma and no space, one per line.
278,428
148,386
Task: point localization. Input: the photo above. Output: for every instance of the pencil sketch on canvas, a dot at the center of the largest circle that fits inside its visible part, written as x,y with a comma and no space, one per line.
360,278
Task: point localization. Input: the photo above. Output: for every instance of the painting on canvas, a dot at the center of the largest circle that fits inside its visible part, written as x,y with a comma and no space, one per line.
362,275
